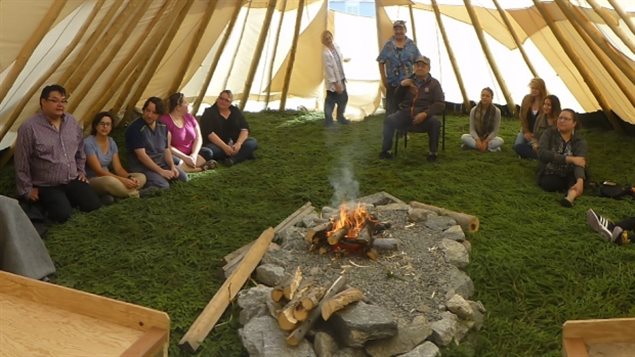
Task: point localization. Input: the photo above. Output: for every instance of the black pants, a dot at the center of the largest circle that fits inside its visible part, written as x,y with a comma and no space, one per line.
628,224
553,183
58,201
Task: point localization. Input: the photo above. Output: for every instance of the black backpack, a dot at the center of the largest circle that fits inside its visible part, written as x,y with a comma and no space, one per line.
611,189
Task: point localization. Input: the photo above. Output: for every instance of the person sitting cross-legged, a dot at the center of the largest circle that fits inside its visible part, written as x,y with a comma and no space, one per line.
101,154
485,120
421,98
226,132
49,159
148,145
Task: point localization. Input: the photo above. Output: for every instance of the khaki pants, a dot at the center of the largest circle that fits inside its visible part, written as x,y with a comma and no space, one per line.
112,186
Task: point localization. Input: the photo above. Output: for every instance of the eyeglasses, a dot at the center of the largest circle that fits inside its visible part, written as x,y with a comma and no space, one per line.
226,100
57,101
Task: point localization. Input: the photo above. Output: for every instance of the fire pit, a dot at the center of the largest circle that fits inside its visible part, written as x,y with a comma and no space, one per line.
414,284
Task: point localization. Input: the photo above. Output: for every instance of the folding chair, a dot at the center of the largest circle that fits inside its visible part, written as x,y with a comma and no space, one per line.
412,129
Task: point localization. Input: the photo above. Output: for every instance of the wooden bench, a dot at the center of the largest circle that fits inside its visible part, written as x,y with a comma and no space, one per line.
38,318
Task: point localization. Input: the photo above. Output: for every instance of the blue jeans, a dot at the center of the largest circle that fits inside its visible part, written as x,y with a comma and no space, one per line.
523,147
246,151
331,99
401,120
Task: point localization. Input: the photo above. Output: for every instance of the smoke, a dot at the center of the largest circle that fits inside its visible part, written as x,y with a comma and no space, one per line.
345,187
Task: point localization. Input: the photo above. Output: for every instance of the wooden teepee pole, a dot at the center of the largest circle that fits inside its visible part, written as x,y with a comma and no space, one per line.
575,20
294,47
90,43
488,54
194,42
623,15
512,32
240,40
264,31
27,50
160,52
273,56
608,19
15,113
412,21
100,58
448,47
574,57
130,68
217,55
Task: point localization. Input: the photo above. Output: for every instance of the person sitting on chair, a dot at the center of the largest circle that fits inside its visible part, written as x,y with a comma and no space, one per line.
485,120
226,132
49,159
423,98
562,154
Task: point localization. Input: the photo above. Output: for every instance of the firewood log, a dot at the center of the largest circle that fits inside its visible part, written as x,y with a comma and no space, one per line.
290,289
372,254
298,334
286,321
312,298
316,231
337,235
385,243
339,301
468,222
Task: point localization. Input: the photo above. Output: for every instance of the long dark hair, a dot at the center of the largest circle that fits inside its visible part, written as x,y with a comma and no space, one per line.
97,119
174,101
158,104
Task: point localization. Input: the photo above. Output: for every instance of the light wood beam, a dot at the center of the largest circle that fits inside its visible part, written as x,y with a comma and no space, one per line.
275,51
623,15
604,14
240,40
512,32
412,20
294,48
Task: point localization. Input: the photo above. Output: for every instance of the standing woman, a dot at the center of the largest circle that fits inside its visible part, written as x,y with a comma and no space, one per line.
530,109
562,155
101,154
485,120
186,136
396,62
334,80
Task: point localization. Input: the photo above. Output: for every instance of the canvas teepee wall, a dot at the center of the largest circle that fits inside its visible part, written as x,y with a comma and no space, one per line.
112,54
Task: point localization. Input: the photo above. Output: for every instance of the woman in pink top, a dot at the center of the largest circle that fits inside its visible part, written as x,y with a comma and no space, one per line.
186,137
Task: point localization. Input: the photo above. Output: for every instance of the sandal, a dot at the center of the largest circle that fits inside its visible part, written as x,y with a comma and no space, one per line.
209,165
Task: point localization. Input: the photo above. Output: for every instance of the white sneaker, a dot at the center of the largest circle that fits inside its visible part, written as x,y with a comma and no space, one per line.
599,224
617,236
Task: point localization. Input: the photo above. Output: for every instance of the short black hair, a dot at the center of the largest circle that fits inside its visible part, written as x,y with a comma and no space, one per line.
97,119
46,91
158,104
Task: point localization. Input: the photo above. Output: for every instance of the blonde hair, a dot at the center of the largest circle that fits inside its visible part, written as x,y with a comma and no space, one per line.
542,87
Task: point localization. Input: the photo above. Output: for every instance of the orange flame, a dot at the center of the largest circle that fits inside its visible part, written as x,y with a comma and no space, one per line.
353,220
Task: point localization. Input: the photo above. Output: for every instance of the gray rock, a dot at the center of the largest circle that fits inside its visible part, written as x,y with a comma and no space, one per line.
454,233
380,199
408,336
309,220
467,245
460,307
462,328
279,257
455,253
269,274
328,212
459,283
292,238
444,330
426,349
324,345
253,302
262,337
350,352
479,314
360,322
439,223
393,207
419,214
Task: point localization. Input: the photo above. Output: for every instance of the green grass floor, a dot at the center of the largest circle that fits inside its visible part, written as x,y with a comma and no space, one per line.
534,264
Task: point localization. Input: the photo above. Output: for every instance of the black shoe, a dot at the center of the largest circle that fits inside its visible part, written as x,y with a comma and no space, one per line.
385,155
432,157
343,121
566,203
228,162
329,124
107,200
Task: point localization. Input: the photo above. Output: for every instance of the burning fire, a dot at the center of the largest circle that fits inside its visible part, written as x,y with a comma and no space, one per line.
351,220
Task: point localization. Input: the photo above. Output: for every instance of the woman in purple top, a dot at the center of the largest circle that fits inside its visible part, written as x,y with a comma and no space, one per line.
186,136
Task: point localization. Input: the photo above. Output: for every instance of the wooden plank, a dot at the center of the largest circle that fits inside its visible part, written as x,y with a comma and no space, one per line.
217,305
151,343
80,302
601,331
574,347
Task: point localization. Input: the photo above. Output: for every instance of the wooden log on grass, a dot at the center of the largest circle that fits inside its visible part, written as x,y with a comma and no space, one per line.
468,222
205,322
298,334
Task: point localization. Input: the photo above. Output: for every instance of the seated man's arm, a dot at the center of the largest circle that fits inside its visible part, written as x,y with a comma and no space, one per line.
23,151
